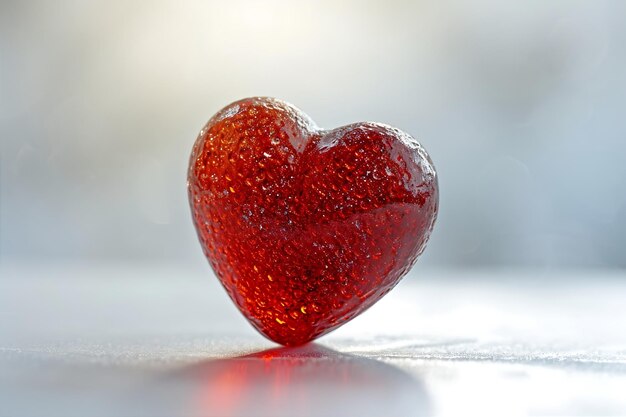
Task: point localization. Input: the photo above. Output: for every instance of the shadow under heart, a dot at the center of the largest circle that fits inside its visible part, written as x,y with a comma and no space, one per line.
303,381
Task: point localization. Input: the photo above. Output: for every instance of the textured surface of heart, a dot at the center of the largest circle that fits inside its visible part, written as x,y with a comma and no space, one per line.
306,228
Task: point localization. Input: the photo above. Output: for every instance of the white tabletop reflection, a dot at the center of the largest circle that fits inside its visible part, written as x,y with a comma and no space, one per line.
148,341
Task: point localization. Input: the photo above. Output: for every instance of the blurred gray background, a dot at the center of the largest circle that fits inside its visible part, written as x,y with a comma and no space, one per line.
520,104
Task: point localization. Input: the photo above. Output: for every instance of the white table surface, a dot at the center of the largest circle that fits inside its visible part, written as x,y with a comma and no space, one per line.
103,340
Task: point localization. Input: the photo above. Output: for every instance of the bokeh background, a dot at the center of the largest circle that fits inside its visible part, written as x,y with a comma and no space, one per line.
522,106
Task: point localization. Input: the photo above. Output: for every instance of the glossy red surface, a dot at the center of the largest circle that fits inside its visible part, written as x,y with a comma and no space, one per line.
306,228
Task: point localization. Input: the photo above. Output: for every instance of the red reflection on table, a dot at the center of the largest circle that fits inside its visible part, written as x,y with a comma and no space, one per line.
308,380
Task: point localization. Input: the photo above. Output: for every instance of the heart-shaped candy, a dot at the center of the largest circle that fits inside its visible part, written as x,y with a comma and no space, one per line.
306,228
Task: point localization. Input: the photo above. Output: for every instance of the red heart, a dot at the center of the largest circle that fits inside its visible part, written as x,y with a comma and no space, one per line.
307,228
